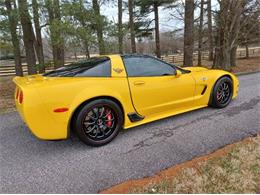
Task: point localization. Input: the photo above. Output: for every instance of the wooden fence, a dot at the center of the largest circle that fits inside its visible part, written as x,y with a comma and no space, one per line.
241,53
7,67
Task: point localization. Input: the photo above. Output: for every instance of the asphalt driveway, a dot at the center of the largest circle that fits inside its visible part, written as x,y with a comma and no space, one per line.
28,165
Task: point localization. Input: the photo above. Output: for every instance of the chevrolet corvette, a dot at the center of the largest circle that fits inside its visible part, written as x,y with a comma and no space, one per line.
97,97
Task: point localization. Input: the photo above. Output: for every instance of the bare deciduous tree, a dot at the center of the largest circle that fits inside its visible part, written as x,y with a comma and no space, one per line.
250,25
15,41
210,39
228,25
28,36
38,39
99,26
57,41
188,33
131,25
157,31
200,32
120,30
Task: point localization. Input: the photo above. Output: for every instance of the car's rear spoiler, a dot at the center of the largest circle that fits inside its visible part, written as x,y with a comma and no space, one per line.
27,80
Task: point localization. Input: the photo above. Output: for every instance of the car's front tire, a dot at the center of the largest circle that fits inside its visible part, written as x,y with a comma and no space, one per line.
222,93
98,122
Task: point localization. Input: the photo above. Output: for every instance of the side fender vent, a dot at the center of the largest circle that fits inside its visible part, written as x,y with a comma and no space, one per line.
204,90
134,117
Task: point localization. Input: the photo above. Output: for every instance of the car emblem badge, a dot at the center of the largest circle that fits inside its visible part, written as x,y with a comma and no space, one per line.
118,70
204,78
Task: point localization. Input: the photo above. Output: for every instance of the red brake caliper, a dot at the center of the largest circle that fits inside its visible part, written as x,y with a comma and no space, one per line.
109,117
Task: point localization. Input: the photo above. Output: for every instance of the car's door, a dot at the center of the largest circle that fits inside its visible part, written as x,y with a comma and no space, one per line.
154,86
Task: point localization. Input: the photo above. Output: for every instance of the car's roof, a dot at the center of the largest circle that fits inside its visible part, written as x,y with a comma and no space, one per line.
135,55
126,55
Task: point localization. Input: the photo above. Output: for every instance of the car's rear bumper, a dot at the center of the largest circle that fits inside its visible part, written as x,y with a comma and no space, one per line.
43,123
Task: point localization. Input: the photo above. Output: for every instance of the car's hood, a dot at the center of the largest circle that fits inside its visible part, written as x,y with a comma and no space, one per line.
195,69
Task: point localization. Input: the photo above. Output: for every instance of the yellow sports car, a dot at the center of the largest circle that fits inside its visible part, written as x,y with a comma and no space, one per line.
99,96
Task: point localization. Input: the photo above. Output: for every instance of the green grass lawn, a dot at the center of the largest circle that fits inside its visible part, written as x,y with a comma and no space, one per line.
238,171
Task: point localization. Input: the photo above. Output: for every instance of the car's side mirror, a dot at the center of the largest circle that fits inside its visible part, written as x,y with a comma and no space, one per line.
178,73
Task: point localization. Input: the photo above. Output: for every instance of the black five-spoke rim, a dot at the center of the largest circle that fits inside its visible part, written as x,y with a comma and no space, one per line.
99,122
223,93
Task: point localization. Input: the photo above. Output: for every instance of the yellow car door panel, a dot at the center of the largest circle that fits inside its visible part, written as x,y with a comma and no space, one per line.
159,94
155,88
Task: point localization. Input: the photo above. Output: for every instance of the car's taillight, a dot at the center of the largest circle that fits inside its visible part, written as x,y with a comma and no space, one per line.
20,96
17,93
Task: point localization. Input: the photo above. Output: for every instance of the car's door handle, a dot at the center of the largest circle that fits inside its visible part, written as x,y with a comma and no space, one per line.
139,82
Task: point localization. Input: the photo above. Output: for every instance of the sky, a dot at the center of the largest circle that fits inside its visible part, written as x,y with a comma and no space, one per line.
167,22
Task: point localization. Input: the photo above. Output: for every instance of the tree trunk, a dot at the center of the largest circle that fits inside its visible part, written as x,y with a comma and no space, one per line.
131,25
200,32
28,36
247,50
15,40
85,40
236,12
222,51
86,49
99,27
120,32
210,39
60,44
38,40
228,25
157,31
233,56
188,33
49,6
57,41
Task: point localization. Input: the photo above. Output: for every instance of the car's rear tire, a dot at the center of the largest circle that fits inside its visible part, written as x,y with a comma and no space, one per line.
98,122
222,93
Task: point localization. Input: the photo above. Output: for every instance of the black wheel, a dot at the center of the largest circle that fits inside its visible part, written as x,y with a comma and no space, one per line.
222,93
98,122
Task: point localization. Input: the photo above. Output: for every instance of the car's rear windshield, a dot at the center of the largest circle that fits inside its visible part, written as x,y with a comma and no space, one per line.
92,67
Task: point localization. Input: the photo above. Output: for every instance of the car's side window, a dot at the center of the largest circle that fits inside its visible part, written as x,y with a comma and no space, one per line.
102,69
146,66
93,67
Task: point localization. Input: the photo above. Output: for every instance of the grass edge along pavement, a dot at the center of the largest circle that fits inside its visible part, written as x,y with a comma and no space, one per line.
235,168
